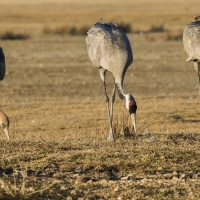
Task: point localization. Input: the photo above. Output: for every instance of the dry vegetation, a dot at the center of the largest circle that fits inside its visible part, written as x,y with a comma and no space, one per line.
53,97
14,36
79,30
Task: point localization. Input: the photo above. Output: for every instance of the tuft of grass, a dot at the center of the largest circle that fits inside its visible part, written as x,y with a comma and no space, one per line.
9,35
165,36
66,30
160,33
157,29
18,186
126,27
79,29
171,36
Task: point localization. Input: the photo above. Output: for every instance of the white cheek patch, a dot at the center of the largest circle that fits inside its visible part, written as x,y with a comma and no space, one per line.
127,102
127,96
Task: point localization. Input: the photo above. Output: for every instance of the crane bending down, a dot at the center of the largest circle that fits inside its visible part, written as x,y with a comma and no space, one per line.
109,49
4,121
191,43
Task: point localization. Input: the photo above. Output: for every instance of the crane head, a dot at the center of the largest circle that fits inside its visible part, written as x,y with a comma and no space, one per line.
132,107
4,123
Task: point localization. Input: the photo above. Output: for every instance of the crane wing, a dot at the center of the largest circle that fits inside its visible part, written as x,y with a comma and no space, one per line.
93,42
2,64
108,47
191,41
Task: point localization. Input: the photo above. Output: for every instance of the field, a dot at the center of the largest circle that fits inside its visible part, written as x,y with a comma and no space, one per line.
53,97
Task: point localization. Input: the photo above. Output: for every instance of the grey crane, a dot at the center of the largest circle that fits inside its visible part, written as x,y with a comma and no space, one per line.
4,123
109,49
191,43
2,65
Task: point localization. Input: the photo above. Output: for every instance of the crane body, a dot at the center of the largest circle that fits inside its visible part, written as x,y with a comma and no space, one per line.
109,49
191,43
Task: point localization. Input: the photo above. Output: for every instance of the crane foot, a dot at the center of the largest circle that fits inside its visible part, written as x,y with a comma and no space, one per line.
110,137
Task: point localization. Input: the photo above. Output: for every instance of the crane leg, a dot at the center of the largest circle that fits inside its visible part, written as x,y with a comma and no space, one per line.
113,100
197,68
110,137
199,76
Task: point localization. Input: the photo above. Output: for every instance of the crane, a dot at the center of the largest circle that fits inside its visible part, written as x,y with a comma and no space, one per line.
109,49
4,121
191,43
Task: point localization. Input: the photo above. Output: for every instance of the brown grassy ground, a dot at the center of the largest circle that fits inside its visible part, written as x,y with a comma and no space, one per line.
53,97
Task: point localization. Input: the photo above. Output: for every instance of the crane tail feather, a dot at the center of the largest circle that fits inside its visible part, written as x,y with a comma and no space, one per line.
2,65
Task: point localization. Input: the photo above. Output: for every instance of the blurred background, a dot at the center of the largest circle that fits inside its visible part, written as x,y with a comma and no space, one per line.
139,15
46,56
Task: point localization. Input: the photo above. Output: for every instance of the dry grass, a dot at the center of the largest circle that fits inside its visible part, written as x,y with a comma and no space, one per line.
14,36
174,36
63,30
79,30
156,29
141,15
126,27
151,164
165,36
53,97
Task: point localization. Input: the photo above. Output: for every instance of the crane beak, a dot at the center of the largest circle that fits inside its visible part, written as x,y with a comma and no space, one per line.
133,118
7,133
